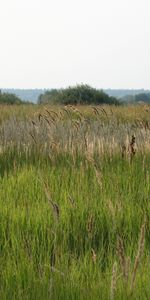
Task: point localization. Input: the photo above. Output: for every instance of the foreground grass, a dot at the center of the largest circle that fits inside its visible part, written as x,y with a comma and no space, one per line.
74,208
71,255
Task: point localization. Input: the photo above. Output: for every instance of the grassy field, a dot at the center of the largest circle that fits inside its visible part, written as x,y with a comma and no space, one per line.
74,202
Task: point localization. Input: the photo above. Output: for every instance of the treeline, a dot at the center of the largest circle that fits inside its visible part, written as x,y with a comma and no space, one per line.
30,95
133,99
121,93
80,94
10,99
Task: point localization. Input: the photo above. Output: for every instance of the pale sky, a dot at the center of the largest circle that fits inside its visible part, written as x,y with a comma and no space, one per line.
57,43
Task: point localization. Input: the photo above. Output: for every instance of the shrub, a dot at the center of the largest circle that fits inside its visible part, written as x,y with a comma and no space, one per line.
6,98
80,94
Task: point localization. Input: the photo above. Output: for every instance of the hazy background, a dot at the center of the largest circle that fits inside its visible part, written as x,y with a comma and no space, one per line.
56,43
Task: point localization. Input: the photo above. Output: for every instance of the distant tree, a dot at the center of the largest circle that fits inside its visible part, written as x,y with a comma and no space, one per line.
6,98
134,99
48,96
128,99
143,97
80,94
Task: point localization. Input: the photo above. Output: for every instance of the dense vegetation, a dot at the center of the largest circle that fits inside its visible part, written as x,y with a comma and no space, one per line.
80,94
74,209
6,98
143,98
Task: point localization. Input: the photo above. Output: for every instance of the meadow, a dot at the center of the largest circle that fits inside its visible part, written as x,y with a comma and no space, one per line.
74,202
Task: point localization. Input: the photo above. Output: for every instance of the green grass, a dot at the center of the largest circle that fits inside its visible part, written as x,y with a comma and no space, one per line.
102,199
43,257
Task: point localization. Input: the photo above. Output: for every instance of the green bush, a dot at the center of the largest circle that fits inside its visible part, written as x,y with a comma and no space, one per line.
6,98
80,94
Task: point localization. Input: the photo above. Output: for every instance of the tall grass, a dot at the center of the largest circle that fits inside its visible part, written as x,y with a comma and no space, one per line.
74,211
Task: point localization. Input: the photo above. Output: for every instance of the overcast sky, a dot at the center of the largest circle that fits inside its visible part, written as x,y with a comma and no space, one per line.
57,43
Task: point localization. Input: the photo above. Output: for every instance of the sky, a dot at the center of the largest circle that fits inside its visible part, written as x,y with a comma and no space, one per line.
58,43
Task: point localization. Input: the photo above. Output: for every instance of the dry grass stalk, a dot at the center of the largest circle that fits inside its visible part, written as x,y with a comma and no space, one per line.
40,117
113,281
53,269
95,110
49,123
66,109
124,261
86,143
80,115
54,146
53,112
90,224
138,256
33,123
121,254
98,177
146,125
89,158
111,208
33,137
132,148
54,205
123,152
104,111
71,200
128,261
94,256
77,125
